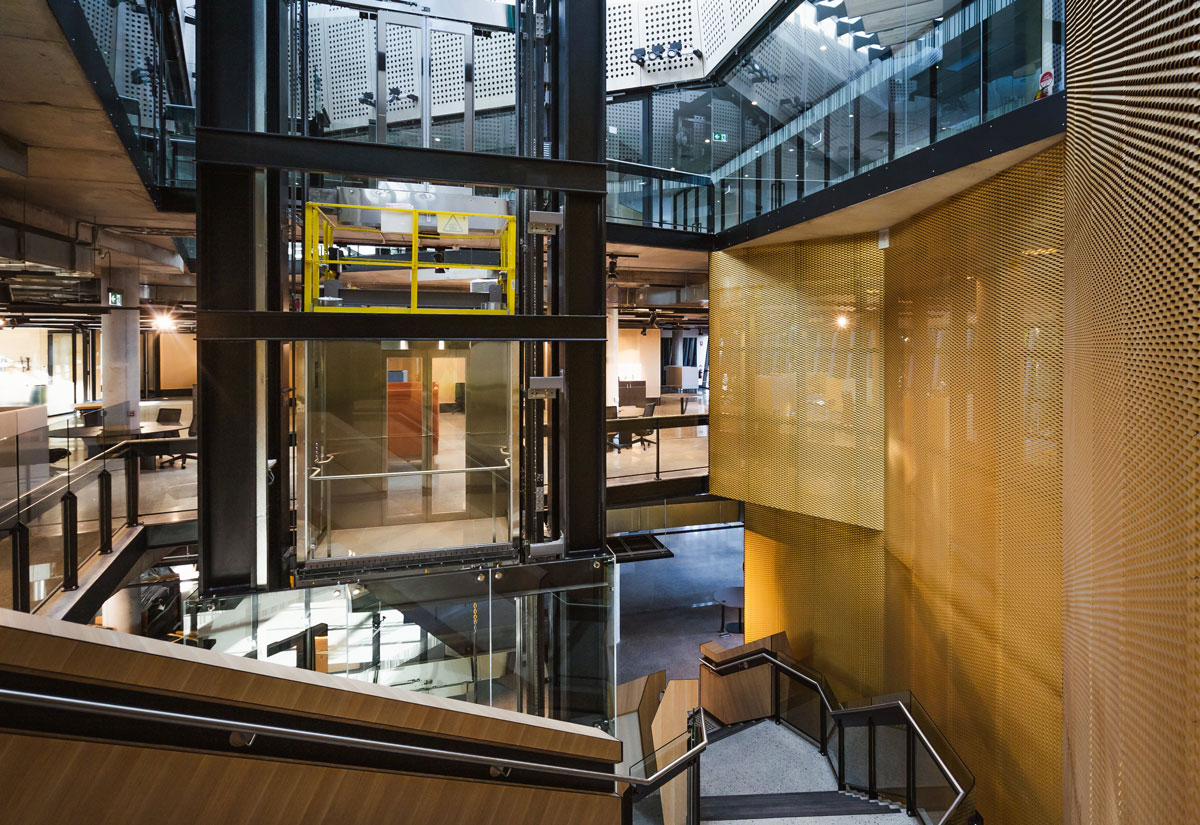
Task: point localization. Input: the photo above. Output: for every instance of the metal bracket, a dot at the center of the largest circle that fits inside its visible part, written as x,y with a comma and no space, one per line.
545,387
544,223
547,549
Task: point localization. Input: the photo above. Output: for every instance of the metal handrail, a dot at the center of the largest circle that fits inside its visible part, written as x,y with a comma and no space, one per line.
769,658
313,737
507,465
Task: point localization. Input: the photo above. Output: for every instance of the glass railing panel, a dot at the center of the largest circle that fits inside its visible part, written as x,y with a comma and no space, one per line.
891,760
958,72
940,745
629,198
167,477
872,129
43,518
657,452
816,151
87,511
115,464
662,756
1023,58
807,83
800,706
857,756
934,794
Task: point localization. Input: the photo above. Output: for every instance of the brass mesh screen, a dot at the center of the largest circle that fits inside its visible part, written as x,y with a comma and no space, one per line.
1131,561
960,597
796,418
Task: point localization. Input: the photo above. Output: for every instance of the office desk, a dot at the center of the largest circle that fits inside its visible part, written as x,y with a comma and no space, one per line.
98,438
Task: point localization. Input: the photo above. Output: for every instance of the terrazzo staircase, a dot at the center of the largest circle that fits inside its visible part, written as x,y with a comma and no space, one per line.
758,772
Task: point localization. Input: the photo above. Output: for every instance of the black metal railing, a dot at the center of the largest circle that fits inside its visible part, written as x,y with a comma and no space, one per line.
56,528
886,748
643,434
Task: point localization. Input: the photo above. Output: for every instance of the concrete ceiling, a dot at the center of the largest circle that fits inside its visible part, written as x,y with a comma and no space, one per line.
898,21
76,166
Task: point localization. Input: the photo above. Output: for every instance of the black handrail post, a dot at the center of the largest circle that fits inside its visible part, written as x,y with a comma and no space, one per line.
70,531
910,761
131,487
20,567
872,792
775,674
104,479
824,747
693,814
841,777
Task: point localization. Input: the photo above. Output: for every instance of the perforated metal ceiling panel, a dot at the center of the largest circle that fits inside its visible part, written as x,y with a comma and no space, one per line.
712,27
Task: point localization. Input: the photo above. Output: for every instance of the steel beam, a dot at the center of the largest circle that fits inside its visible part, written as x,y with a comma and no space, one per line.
378,160
229,325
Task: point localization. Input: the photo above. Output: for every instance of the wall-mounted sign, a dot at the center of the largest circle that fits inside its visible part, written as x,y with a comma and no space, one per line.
720,137
115,298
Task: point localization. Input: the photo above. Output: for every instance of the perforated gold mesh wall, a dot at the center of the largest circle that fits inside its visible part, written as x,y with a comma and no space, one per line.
959,598
1131,664
796,417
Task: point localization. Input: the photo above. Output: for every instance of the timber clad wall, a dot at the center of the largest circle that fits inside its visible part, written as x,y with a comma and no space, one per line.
958,597
1131,584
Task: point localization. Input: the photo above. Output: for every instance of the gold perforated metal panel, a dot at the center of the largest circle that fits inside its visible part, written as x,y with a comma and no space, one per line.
1131,583
959,598
796,418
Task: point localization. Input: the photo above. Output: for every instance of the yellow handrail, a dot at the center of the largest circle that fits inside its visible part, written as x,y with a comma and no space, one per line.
318,241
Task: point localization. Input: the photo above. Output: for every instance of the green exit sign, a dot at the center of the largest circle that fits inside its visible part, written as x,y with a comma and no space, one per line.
720,137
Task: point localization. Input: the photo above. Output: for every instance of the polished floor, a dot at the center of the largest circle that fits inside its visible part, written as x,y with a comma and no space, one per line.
670,453
667,606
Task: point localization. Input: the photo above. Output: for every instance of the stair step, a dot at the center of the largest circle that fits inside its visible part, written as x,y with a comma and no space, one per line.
780,805
718,732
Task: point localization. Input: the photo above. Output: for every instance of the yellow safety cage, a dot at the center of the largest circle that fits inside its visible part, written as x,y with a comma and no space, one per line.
319,235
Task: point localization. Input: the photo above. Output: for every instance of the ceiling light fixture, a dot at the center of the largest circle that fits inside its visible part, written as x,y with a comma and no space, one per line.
165,323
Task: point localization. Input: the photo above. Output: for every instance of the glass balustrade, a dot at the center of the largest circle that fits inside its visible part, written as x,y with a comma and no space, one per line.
818,100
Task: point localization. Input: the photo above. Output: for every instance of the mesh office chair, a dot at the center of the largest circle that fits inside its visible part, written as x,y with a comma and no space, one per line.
645,437
182,458
169,415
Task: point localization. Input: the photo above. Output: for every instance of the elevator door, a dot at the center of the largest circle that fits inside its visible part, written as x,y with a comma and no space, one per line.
425,82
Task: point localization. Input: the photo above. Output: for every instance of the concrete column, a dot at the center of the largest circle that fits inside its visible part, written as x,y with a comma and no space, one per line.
676,348
122,611
612,348
120,355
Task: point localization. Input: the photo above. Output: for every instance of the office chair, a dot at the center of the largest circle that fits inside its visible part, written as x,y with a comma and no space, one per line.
182,457
169,415
643,437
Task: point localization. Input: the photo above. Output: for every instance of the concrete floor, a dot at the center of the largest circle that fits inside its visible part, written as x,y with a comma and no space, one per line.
684,450
667,605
